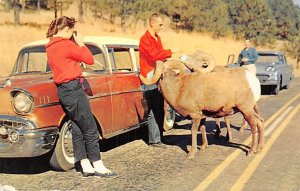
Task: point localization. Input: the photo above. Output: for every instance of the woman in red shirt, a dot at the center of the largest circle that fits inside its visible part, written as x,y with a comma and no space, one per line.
64,57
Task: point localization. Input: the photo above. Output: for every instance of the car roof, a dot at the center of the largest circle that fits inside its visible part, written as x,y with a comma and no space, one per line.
270,52
111,40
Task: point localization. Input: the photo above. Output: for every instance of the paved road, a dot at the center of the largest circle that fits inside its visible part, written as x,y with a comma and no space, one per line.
223,166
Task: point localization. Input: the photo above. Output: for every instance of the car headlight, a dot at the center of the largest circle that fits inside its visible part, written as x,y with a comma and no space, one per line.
22,103
271,69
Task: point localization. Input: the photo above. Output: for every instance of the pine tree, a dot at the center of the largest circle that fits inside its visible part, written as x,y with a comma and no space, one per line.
252,18
287,17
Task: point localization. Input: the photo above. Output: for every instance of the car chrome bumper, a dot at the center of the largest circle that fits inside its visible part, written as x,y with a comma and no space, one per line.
20,137
269,83
267,79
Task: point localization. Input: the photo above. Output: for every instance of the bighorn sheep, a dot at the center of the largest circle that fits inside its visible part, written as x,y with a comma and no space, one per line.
214,93
203,62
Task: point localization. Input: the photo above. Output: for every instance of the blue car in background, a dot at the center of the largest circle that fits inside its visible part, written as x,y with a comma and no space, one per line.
272,70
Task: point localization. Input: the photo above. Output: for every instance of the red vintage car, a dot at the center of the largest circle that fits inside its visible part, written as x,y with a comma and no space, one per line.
32,121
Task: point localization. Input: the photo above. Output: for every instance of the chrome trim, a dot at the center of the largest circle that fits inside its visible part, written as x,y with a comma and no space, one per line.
99,96
90,97
124,92
125,130
30,143
47,105
17,119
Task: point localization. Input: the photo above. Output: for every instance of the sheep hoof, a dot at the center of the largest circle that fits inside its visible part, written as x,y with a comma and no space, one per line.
228,137
259,149
203,148
251,152
242,128
191,155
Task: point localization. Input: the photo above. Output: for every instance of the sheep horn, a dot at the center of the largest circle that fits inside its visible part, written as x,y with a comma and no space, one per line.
157,74
200,61
207,63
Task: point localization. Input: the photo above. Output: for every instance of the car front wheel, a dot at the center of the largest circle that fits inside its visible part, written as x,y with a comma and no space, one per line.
288,84
63,157
276,89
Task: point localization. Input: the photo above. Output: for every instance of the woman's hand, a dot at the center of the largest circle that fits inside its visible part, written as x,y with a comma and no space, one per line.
78,39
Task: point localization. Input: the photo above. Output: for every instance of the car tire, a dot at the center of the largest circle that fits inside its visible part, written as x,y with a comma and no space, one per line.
169,119
287,86
62,158
276,89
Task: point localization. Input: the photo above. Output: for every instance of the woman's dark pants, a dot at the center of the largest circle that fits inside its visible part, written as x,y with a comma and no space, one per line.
85,134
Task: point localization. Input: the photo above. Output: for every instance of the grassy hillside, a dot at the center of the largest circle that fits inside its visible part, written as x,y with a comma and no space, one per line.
34,26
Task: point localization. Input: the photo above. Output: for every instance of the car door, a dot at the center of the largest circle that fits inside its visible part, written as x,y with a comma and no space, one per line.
97,87
127,97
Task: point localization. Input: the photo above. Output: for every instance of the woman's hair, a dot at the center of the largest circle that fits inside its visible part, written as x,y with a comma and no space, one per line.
59,24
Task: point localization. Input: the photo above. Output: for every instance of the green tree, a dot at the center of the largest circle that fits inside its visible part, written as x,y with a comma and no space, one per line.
142,9
201,15
287,17
252,18
103,8
212,16
292,48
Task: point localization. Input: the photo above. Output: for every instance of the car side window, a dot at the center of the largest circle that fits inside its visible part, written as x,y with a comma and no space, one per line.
31,61
120,59
99,60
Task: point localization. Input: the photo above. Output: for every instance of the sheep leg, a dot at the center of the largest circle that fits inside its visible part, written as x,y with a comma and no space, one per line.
244,126
228,135
261,128
195,125
261,137
252,120
218,128
203,134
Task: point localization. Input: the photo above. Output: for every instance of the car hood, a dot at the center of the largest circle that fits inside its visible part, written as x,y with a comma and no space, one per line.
261,67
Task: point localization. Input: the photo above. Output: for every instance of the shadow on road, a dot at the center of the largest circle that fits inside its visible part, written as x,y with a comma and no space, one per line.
183,141
40,164
37,165
34,165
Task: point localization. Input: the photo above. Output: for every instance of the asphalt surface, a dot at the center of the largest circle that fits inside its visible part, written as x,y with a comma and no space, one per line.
223,166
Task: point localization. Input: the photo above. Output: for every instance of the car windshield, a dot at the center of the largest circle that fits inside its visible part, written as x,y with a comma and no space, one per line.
263,58
34,60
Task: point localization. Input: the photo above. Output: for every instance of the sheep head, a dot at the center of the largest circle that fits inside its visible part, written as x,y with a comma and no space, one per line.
199,61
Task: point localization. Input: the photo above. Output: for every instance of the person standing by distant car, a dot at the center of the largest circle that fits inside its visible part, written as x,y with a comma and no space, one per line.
65,51
248,57
151,50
